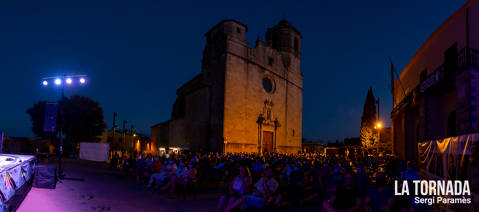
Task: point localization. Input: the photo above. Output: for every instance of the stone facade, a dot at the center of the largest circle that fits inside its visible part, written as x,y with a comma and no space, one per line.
245,99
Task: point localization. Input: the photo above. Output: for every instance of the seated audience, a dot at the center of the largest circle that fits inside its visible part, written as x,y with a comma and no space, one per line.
263,190
237,188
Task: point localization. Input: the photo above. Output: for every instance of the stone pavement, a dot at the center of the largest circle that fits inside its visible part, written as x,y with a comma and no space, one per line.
103,190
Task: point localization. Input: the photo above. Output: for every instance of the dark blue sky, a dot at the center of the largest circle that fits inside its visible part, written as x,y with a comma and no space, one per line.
137,53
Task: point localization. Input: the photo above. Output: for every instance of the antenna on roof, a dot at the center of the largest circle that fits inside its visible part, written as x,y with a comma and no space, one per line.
393,71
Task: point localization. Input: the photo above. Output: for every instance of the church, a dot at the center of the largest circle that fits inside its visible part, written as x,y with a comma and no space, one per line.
245,99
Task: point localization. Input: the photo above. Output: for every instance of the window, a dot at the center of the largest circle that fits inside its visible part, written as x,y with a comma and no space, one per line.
450,59
451,123
270,61
238,30
423,75
296,45
268,85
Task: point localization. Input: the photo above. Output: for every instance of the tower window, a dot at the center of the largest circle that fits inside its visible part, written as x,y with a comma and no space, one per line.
238,30
296,44
270,61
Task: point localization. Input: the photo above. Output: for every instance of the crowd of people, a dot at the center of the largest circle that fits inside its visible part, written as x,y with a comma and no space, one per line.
348,182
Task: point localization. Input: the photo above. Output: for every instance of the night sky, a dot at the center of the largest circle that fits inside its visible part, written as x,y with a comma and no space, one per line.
137,53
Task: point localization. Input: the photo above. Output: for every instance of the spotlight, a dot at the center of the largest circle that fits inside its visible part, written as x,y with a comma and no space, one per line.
45,83
58,81
82,80
69,80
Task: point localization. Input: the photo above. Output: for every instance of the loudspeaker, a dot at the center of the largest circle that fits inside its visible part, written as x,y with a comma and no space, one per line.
45,176
1,142
50,119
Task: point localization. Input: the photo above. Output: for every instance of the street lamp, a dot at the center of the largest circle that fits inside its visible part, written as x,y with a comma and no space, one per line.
378,127
59,82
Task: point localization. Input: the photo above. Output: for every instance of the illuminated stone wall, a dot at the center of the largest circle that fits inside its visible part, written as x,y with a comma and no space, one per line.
218,110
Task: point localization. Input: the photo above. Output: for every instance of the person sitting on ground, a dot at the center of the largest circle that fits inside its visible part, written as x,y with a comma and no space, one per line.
237,189
379,198
145,169
292,192
346,198
165,172
263,190
155,167
362,180
184,177
114,160
140,167
179,170
129,166
257,168
409,175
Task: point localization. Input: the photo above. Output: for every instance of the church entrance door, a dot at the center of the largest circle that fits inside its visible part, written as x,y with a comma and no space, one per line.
267,141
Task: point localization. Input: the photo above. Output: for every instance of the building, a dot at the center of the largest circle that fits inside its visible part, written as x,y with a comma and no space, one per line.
312,147
245,99
26,145
437,93
349,146
125,140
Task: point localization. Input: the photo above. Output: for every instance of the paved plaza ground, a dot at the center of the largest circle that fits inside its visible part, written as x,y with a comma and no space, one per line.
103,190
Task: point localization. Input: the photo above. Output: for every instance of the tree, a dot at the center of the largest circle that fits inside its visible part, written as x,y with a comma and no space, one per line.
37,114
368,138
80,117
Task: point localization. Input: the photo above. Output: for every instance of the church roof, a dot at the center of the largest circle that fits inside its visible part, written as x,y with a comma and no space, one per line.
191,85
284,24
227,20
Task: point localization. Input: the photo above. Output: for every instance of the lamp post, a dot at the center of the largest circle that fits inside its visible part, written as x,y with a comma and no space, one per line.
378,127
68,80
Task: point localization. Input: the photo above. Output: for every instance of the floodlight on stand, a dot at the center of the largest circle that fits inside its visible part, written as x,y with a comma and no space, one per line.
58,81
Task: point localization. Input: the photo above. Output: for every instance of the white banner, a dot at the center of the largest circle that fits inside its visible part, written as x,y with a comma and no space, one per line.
94,151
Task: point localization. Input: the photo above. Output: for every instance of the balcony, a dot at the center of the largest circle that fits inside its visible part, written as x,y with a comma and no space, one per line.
467,58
